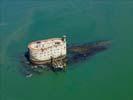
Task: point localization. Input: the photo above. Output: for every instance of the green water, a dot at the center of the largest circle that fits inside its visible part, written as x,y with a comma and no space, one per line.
106,76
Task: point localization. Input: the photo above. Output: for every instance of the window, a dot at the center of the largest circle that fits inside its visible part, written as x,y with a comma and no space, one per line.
57,42
38,42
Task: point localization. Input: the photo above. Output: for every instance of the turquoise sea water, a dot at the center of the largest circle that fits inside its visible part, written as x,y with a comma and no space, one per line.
106,76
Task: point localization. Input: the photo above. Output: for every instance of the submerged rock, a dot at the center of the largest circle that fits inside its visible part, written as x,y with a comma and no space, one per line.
89,47
81,52
29,75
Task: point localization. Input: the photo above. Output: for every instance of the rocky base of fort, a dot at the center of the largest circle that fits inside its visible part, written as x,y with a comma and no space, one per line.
76,53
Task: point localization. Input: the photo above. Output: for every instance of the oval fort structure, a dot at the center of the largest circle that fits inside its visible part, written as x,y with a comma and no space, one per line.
42,51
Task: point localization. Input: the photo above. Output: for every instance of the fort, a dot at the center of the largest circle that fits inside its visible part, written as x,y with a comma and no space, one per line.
54,54
48,51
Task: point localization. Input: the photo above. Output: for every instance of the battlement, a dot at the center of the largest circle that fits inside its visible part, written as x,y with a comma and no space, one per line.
45,44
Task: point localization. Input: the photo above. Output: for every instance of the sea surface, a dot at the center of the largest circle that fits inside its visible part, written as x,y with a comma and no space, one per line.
107,75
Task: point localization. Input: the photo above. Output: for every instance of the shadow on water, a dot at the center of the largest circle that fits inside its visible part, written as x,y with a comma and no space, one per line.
75,54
